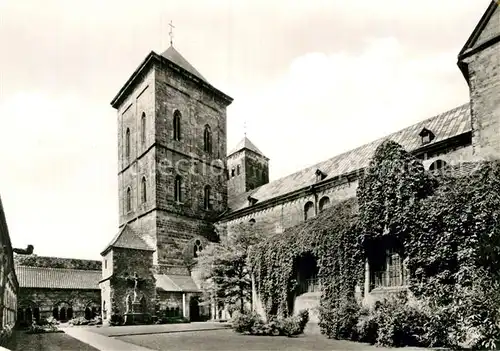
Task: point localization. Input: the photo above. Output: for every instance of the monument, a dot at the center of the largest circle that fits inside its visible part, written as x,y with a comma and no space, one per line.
136,311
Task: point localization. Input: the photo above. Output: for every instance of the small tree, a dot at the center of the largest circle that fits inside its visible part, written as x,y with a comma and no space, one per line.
224,268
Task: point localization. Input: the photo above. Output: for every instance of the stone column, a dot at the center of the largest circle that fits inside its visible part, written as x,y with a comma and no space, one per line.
184,312
367,278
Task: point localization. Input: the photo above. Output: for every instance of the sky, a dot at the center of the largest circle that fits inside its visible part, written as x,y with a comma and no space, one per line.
310,78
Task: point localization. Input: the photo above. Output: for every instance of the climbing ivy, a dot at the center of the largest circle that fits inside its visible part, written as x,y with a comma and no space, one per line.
445,224
330,238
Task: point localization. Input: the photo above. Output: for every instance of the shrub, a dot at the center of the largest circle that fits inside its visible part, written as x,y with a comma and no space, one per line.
251,323
97,320
170,320
244,322
116,319
79,321
5,335
367,326
340,322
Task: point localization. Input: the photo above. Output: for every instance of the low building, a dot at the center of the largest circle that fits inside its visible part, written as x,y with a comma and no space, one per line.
57,287
8,280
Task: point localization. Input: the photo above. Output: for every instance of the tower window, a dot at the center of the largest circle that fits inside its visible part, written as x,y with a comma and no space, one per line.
178,189
129,200
143,128
177,125
238,170
232,172
207,195
252,221
308,210
127,143
197,248
143,189
207,139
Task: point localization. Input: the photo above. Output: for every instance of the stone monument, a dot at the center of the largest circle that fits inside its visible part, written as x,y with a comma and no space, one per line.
136,313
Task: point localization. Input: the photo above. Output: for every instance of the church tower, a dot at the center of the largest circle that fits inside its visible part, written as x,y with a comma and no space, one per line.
248,168
171,159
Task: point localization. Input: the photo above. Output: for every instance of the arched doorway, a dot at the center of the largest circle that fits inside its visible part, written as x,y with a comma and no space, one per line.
27,312
194,309
62,311
88,313
306,273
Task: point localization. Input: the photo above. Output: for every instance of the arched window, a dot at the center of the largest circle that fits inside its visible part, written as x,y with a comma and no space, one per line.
324,203
232,172
207,194
238,170
129,200
127,144
177,125
143,190
438,165
207,139
178,189
308,210
143,128
197,248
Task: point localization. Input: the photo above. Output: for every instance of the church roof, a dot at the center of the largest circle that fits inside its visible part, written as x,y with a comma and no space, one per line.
175,57
181,283
57,278
127,239
444,126
245,143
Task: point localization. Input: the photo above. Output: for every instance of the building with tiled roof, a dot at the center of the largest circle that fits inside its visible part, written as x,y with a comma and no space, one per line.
63,288
9,285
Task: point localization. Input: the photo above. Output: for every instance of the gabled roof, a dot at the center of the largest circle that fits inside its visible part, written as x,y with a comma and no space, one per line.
245,143
127,239
491,18
57,278
180,283
444,126
175,57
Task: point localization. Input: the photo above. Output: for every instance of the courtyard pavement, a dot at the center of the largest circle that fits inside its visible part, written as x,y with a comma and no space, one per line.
202,336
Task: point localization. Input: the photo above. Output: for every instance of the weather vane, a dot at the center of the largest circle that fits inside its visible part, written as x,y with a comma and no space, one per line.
171,33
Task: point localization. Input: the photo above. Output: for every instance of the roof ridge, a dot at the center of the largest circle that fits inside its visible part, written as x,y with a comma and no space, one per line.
59,268
339,156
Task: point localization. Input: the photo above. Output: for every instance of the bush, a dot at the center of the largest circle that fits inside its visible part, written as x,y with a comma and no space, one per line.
339,322
252,324
47,327
79,321
244,322
5,335
97,320
116,319
367,327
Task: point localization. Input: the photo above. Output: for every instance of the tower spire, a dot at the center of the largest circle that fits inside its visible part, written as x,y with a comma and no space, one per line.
171,33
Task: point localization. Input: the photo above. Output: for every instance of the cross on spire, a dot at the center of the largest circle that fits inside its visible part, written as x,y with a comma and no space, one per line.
171,33
245,128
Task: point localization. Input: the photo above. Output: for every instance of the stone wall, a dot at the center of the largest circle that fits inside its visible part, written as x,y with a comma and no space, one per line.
47,299
484,70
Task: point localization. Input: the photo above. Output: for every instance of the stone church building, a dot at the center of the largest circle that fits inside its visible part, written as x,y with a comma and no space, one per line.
180,189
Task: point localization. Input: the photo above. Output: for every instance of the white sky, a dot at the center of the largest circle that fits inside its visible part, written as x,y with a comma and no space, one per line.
312,79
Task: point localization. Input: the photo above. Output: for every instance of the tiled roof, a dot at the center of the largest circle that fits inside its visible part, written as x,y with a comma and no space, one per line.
128,239
444,126
57,278
176,283
175,57
245,143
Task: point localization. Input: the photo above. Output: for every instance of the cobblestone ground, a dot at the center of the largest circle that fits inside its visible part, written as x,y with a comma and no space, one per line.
228,340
